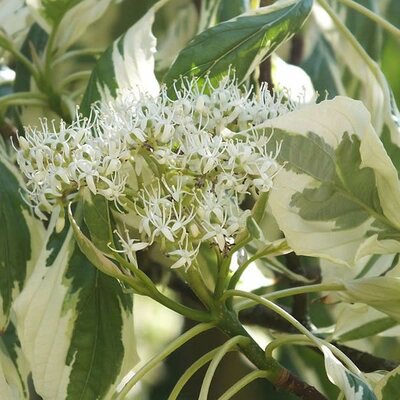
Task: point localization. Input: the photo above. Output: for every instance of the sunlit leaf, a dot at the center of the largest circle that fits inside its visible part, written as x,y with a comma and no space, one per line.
242,42
83,342
127,63
336,196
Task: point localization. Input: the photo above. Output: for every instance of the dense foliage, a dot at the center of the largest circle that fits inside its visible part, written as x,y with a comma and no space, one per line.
236,162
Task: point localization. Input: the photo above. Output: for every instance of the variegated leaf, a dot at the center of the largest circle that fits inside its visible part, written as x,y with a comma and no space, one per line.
367,80
388,387
75,324
70,18
14,19
21,237
353,386
14,368
357,321
127,64
338,194
242,42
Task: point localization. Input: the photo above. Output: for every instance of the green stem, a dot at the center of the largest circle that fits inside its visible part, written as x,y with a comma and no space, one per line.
303,340
319,287
190,372
81,75
354,43
274,372
223,271
23,98
293,321
222,279
7,44
196,283
155,294
155,361
77,53
373,16
240,384
274,307
225,348
290,339
49,53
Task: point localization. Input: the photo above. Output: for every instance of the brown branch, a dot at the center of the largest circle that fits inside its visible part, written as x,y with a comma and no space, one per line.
265,74
292,384
296,50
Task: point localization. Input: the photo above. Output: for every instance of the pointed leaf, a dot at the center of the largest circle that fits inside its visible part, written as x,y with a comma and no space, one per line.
241,43
128,63
75,324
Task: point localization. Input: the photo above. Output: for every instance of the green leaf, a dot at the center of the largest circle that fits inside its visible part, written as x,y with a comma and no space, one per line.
93,254
208,14
127,64
20,233
367,32
54,10
360,75
68,19
229,9
36,39
388,387
322,68
75,324
357,321
336,196
241,43
180,24
96,215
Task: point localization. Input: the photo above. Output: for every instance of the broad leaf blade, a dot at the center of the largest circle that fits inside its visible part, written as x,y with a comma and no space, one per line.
20,234
83,342
338,193
241,43
127,64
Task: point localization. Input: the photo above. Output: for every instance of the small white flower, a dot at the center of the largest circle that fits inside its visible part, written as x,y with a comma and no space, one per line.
185,256
129,246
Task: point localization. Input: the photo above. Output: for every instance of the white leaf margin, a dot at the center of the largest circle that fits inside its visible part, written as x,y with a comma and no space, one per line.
379,387
134,67
45,326
340,376
331,119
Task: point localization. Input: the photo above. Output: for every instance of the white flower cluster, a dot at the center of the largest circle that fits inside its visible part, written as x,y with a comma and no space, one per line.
183,166
58,163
